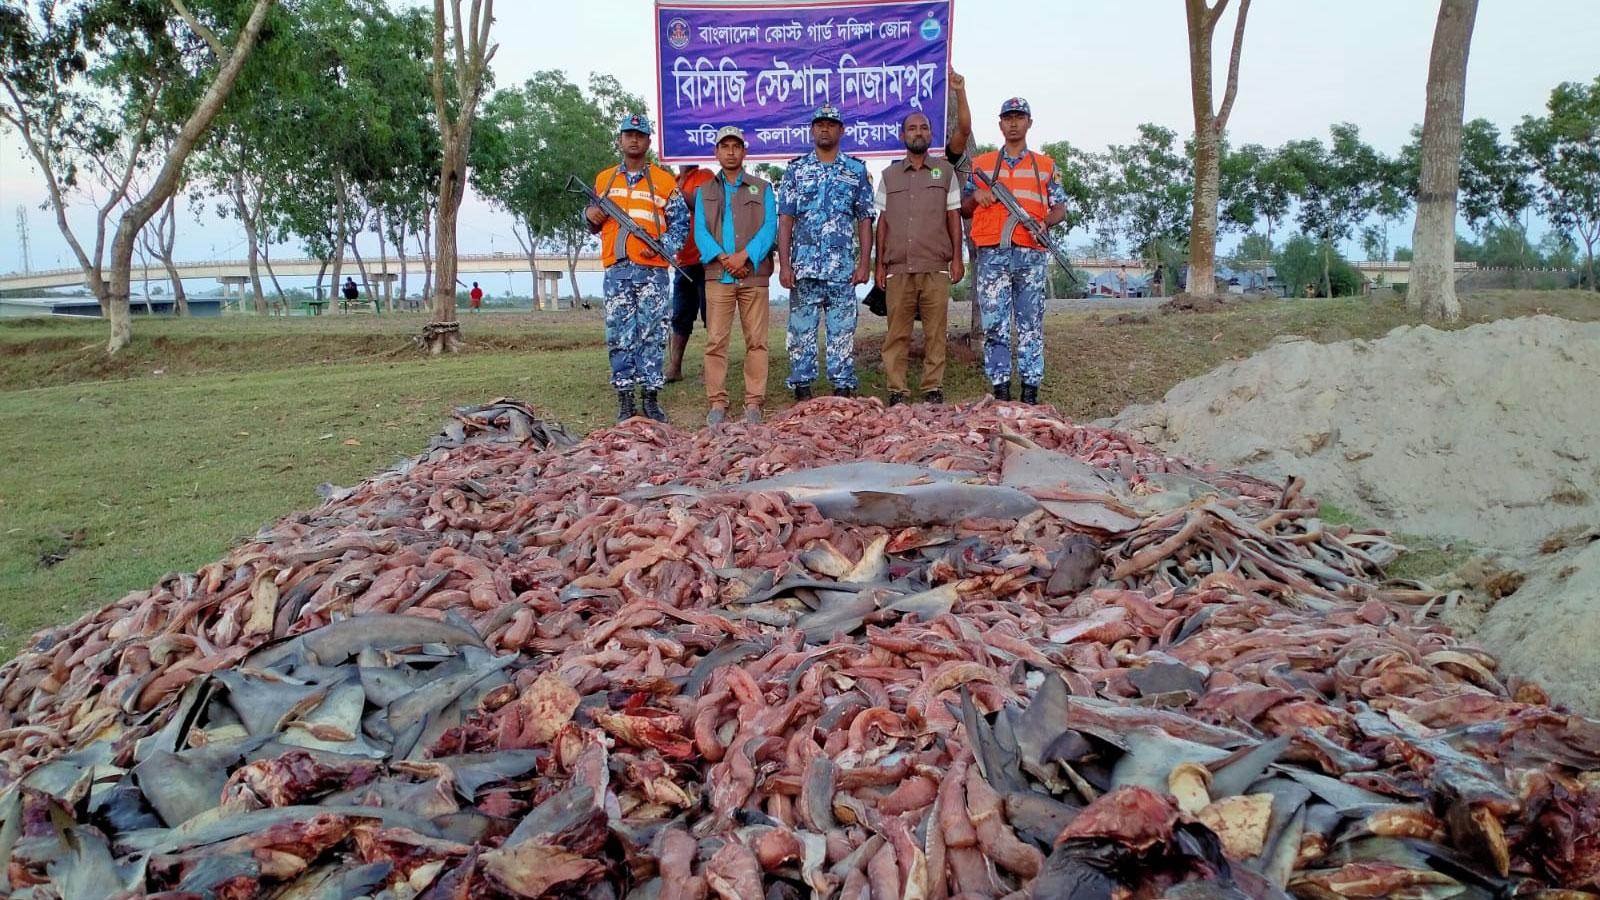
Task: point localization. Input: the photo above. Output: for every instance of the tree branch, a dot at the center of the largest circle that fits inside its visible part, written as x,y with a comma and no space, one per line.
200,28
1233,66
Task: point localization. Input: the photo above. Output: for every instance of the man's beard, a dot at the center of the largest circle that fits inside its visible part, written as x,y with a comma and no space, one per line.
918,145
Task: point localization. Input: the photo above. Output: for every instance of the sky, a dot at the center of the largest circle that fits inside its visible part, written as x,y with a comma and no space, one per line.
1092,70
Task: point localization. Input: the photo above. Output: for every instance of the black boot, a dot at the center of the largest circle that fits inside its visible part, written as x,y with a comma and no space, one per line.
652,409
933,396
802,393
625,408
897,397
844,392
1002,391
1030,393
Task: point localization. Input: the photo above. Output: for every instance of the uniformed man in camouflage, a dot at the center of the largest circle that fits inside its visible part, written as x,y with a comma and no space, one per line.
824,250
1011,264
638,300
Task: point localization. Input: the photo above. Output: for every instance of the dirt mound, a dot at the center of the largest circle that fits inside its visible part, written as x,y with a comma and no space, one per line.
1540,614
1487,434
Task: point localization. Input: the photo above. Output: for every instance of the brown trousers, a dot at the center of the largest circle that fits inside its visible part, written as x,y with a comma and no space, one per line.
927,293
751,303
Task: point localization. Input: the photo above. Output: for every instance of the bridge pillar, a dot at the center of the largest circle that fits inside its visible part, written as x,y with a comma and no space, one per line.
386,281
550,289
233,286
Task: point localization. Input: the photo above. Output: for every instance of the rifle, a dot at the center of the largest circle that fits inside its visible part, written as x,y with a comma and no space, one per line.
620,216
1021,217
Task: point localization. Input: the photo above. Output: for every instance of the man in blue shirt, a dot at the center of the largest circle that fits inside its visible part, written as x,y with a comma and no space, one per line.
824,250
735,226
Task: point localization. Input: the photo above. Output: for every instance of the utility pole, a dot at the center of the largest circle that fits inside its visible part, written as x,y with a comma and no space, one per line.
22,237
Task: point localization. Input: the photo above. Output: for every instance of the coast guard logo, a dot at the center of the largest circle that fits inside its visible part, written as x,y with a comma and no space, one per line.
931,28
678,34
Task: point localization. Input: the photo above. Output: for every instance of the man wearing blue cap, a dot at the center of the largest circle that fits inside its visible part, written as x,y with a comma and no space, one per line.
1011,262
638,303
824,250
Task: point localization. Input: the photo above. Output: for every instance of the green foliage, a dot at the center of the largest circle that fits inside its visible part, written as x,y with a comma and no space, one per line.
1495,185
1300,264
1402,254
1564,148
1074,168
1253,247
1145,190
530,139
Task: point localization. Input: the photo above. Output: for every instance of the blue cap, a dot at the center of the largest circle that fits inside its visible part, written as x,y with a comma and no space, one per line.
637,123
1016,105
827,111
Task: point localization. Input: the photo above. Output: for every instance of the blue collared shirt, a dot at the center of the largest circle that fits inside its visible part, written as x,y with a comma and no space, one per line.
760,243
826,201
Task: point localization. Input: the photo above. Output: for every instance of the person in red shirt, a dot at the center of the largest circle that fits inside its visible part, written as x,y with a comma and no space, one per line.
689,287
477,296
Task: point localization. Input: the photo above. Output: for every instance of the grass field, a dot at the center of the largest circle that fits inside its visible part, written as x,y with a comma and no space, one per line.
206,429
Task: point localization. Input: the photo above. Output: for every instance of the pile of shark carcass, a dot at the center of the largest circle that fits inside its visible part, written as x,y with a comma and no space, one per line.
925,652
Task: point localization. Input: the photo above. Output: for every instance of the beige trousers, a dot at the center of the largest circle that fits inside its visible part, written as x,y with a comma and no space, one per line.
751,303
927,293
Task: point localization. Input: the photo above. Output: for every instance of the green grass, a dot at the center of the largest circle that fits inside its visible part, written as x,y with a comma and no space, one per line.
207,429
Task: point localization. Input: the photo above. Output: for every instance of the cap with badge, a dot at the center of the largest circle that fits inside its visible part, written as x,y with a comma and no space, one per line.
729,131
637,123
1016,105
827,112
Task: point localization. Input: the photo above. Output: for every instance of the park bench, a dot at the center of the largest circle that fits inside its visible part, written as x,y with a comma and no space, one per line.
313,307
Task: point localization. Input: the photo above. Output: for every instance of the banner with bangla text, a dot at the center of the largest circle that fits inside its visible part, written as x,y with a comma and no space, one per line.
766,67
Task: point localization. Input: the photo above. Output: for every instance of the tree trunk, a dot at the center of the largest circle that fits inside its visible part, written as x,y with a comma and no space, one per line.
445,337
424,242
1433,240
1208,130
266,260
361,269
1327,269
341,235
472,55
166,243
166,181
241,205
530,248
383,260
400,251
573,247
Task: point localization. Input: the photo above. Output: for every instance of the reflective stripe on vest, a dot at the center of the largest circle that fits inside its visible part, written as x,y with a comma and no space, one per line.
1031,176
645,203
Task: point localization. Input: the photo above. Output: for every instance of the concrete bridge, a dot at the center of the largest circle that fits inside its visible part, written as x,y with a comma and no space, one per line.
233,274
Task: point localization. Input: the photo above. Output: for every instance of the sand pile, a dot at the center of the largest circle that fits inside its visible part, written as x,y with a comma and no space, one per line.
1489,434
1549,626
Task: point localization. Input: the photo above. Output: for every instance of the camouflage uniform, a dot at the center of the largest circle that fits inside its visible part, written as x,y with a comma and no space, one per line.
826,201
1010,283
639,307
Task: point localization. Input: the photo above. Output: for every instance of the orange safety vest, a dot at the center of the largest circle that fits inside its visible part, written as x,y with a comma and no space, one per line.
690,185
645,203
1029,181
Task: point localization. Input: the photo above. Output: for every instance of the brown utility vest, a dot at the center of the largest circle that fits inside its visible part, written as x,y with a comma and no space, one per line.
749,212
918,238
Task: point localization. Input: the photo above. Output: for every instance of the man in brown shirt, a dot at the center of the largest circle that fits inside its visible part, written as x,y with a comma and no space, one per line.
736,225
919,256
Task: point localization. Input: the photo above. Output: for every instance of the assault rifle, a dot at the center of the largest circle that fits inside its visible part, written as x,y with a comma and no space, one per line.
1035,228
620,216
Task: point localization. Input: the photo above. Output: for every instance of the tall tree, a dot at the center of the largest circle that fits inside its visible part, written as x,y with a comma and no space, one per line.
1433,239
1146,192
229,62
1337,187
1564,146
82,90
472,55
1210,121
